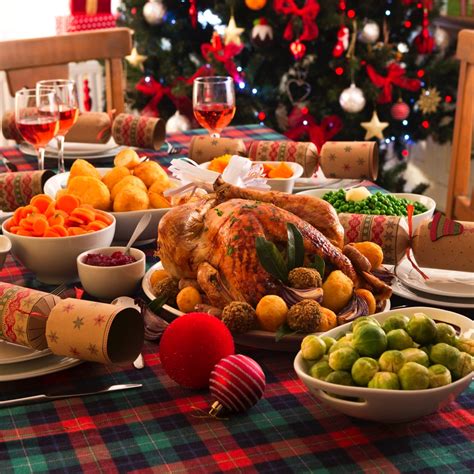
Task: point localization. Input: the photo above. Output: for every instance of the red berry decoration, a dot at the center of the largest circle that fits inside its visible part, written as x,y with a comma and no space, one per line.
400,110
237,383
191,346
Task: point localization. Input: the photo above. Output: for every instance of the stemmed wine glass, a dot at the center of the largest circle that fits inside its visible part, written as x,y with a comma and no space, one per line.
37,118
214,102
66,91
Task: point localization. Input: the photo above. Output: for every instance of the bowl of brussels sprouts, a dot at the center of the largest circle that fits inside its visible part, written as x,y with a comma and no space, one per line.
361,200
391,367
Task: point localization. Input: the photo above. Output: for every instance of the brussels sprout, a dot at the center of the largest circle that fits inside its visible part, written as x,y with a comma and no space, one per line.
399,339
320,370
364,320
426,350
465,345
363,370
340,377
445,354
464,366
369,340
391,361
445,333
329,341
416,355
422,328
414,376
439,375
343,358
339,344
313,347
386,380
395,321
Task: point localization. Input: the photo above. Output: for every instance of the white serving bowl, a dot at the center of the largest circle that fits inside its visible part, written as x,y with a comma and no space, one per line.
417,220
108,283
284,185
126,221
389,406
53,259
5,247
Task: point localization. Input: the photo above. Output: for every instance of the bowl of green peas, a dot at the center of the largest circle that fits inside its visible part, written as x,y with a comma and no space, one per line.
377,203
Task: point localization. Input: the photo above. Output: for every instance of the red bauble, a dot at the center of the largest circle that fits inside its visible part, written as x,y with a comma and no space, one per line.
298,49
237,383
191,346
400,110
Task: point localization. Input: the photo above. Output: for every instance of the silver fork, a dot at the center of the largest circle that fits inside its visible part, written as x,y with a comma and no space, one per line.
172,150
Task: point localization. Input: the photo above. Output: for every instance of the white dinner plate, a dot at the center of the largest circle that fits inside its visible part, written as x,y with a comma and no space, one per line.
13,353
255,338
4,216
36,368
440,282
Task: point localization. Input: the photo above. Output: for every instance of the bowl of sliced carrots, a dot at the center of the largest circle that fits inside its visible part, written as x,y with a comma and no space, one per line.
47,235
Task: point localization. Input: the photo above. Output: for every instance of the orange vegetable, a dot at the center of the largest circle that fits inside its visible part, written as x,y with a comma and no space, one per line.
60,230
76,231
40,226
58,218
72,221
41,201
51,233
51,210
100,216
87,215
16,216
67,203
25,233
26,210
96,225
281,171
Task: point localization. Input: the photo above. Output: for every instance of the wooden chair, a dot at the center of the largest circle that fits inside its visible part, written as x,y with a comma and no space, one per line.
29,60
459,204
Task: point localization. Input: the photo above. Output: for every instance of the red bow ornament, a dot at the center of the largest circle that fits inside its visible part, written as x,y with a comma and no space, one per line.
395,76
223,54
149,86
304,124
306,13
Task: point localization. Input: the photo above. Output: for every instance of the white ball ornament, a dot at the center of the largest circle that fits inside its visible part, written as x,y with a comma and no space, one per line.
352,99
177,123
370,33
441,38
154,12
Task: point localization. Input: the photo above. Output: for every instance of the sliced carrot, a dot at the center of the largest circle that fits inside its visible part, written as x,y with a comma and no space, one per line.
58,218
40,226
51,233
87,215
67,203
16,216
74,221
60,229
101,216
50,210
76,231
26,210
14,229
41,201
24,232
25,225
96,225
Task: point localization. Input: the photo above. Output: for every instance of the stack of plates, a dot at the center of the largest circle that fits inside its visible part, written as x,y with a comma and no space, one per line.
72,151
18,362
443,288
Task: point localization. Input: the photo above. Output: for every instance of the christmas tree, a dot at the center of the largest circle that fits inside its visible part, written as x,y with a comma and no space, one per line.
313,69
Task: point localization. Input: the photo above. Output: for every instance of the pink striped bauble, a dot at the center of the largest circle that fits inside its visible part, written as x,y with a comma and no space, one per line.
237,382
400,110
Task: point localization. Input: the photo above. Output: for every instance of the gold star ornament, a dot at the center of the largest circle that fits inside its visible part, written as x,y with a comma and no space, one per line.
232,33
375,127
136,60
429,100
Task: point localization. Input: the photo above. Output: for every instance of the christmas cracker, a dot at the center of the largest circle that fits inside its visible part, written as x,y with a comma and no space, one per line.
139,131
205,148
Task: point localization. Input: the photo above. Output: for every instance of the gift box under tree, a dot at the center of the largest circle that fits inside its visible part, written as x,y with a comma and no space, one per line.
86,15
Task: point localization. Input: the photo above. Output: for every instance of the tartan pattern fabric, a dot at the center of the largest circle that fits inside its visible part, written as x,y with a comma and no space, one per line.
159,427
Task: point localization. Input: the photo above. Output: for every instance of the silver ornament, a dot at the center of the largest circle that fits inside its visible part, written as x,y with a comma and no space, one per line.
352,99
154,12
441,38
370,33
177,123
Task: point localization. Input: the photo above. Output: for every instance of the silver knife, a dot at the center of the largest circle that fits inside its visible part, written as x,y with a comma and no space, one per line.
45,397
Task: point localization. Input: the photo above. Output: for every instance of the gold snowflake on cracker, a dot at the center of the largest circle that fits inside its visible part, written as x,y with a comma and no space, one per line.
429,100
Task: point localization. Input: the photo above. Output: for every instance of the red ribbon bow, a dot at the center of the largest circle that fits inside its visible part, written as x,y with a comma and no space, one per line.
222,53
305,124
149,86
395,75
307,13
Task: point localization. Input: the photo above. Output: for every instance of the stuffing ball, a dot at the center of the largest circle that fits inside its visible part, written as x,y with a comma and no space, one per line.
304,316
167,286
302,278
239,317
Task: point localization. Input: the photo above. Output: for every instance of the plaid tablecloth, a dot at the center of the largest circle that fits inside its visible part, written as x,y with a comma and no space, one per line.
155,428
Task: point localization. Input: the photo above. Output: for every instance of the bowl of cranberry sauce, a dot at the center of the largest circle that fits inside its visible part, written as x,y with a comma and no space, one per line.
107,273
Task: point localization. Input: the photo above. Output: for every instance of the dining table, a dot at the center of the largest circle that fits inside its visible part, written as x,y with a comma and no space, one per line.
163,427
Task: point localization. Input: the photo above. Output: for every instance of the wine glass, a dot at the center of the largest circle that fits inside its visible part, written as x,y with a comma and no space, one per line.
214,102
68,110
37,118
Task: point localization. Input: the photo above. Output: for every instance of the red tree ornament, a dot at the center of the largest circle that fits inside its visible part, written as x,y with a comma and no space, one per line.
237,383
193,13
298,49
424,42
342,42
400,110
191,346
87,101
